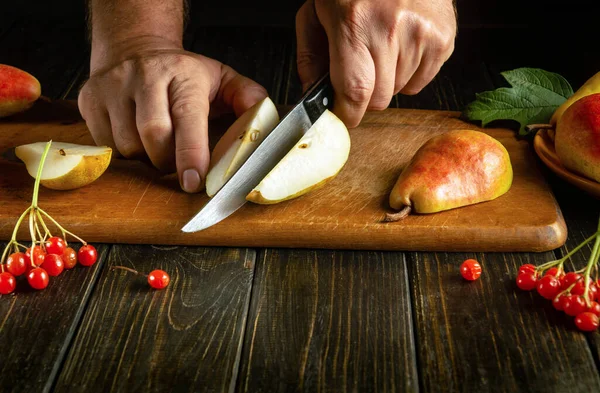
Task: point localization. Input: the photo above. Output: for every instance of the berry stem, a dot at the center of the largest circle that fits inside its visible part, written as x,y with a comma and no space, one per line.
41,219
38,177
591,263
129,270
31,230
573,251
63,230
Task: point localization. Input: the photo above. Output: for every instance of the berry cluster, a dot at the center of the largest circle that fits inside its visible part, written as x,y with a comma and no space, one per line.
47,256
575,293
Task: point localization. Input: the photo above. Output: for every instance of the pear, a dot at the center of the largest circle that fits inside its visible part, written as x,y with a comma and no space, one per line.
68,165
454,169
238,143
577,139
314,160
591,86
18,90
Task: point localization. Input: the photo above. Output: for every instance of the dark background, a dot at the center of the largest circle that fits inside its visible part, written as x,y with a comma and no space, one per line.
559,36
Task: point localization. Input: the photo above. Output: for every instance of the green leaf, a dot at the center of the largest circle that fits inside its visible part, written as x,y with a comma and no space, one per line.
534,96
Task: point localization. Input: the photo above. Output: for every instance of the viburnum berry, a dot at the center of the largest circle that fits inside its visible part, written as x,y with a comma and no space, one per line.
7,283
55,245
158,279
69,258
38,255
53,264
527,268
587,321
553,271
87,255
594,308
16,263
569,279
548,286
558,302
526,281
574,305
470,270
38,278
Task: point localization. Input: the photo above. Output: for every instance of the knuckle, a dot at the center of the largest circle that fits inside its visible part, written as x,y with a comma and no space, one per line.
156,130
184,108
358,91
130,149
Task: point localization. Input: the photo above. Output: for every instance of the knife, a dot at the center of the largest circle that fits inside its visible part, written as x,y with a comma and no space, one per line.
273,148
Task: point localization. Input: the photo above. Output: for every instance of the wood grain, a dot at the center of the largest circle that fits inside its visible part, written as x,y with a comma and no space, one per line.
37,327
489,336
346,213
324,321
185,338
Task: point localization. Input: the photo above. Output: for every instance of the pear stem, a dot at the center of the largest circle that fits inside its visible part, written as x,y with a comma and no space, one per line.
393,217
537,127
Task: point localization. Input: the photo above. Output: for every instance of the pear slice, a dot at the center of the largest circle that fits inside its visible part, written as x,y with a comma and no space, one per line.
317,158
68,165
238,143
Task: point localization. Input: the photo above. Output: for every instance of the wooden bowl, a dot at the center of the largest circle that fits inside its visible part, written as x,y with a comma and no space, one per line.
544,148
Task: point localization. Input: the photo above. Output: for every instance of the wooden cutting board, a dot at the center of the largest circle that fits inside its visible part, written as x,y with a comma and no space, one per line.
132,203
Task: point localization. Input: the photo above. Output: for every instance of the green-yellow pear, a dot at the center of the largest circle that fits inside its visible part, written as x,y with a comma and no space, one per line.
577,139
591,86
454,169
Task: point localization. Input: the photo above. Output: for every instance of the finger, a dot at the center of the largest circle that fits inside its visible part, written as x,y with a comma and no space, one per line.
189,107
96,118
385,77
424,74
352,73
154,125
311,45
239,92
124,130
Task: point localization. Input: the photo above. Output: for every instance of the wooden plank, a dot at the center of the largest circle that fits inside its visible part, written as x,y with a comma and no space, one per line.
488,335
337,215
51,49
325,321
186,337
38,327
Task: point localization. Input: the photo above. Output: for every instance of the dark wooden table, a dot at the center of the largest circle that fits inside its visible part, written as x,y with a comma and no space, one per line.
287,320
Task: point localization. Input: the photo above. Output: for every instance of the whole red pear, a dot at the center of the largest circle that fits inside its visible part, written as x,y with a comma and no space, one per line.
18,90
577,139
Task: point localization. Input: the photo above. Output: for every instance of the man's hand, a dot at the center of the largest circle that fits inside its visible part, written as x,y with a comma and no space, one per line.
373,49
154,101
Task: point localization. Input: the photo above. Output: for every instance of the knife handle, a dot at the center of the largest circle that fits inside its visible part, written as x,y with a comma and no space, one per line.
318,98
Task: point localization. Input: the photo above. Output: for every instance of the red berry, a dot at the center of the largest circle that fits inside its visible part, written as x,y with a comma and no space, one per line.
53,264
16,263
527,268
548,287
55,245
551,272
69,258
574,305
158,279
7,283
587,321
557,302
38,255
470,270
569,279
594,308
38,278
87,255
526,281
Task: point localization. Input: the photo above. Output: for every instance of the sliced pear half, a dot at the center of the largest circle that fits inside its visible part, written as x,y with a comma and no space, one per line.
317,158
67,165
239,142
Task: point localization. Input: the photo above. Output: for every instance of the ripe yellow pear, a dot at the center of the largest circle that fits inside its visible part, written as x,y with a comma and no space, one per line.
68,165
591,86
577,139
454,169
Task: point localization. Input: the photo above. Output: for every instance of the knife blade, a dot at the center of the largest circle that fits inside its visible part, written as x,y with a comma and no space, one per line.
273,148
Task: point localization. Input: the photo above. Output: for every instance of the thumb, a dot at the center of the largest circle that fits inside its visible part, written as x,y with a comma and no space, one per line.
189,98
311,46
